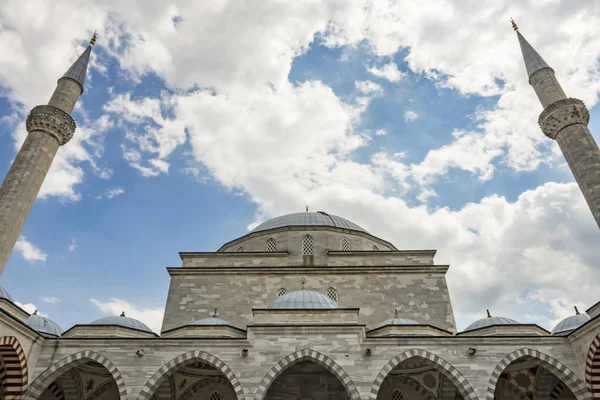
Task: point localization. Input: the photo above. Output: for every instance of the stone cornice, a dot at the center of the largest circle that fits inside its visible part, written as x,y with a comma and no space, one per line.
325,270
20,326
243,254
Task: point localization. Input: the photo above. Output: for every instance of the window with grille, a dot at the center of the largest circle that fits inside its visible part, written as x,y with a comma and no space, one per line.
397,395
375,248
307,245
281,292
345,244
240,249
217,396
271,245
332,294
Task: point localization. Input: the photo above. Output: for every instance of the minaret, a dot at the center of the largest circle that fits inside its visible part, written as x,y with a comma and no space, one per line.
49,127
565,120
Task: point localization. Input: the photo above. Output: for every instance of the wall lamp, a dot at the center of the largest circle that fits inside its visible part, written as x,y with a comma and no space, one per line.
244,352
368,352
140,352
472,351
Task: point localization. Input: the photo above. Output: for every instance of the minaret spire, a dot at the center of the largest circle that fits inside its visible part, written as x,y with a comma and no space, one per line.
533,61
50,126
565,120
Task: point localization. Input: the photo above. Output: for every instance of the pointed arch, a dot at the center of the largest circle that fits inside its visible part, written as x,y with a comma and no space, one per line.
14,369
592,368
170,367
57,369
563,373
447,369
306,355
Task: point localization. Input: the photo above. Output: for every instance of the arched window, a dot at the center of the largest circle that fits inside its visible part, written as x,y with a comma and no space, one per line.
397,395
271,245
344,244
240,249
217,396
332,294
281,292
307,245
375,248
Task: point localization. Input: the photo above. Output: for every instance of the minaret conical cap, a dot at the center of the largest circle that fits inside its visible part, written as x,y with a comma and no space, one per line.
533,61
78,70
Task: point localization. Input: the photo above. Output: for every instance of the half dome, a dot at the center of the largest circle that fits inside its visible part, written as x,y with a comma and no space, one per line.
318,218
571,323
122,321
211,321
43,325
490,321
5,295
397,321
304,299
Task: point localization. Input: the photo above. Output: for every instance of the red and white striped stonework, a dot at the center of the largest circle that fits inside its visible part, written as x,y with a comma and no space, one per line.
592,368
14,374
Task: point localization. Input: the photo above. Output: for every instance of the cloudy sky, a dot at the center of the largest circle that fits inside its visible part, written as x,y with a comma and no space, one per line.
200,119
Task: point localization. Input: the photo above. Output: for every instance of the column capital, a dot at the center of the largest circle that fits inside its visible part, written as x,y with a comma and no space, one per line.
52,121
561,114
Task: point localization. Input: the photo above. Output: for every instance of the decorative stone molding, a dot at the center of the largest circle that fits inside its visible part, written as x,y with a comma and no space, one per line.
52,120
561,114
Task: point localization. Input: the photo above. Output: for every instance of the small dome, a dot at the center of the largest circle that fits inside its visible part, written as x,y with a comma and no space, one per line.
122,321
318,218
211,321
398,321
490,321
43,325
570,324
5,295
303,299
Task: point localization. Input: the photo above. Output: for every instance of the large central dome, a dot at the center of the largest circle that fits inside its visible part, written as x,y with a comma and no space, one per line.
318,218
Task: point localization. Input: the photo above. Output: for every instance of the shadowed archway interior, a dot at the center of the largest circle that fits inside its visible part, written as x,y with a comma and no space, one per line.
306,380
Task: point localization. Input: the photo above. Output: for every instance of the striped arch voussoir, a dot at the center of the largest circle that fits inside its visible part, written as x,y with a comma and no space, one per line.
306,355
447,369
182,360
54,371
570,380
592,368
14,376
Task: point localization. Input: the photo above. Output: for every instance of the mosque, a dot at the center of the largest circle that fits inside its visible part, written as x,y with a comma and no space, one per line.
305,306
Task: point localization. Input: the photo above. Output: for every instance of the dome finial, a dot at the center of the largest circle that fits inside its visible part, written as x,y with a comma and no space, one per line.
122,313
35,312
94,37
303,283
396,313
576,311
514,24
215,313
306,208
488,314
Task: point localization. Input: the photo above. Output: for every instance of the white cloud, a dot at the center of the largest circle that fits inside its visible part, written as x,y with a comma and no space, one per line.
30,308
51,300
368,87
151,316
114,192
29,251
410,115
389,71
380,132
72,245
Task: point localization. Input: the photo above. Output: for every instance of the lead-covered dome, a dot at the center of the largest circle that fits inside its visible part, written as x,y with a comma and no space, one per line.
397,321
571,323
490,321
304,299
43,325
211,321
122,321
318,218
5,295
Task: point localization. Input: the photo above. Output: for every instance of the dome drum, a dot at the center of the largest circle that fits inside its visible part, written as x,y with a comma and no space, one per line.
407,330
113,326
305,316
206,327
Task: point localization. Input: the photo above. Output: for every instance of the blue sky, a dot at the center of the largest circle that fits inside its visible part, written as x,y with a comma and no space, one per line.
197,123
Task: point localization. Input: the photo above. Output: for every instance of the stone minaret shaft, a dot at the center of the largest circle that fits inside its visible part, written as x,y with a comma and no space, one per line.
49,127
565,120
